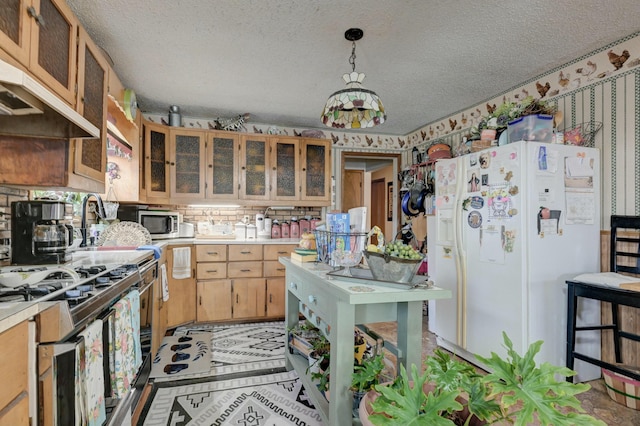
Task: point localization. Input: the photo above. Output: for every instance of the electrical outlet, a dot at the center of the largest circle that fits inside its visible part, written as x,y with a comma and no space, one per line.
245,218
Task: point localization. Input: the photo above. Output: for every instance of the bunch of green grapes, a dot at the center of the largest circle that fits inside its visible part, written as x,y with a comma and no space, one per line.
399,249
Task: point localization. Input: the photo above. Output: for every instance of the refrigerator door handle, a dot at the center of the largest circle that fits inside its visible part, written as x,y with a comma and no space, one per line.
460,257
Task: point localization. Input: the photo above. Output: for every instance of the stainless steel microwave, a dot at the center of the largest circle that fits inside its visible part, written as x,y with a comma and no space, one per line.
161,224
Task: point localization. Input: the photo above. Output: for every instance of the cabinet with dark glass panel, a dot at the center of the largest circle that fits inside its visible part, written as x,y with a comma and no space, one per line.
222,165
254,168
42,36
157,154
90,155
187,163
316,170
285,168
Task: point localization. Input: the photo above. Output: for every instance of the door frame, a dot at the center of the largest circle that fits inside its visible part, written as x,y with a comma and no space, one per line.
339,164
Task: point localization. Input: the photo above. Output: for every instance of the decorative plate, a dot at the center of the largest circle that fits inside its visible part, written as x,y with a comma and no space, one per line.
125,234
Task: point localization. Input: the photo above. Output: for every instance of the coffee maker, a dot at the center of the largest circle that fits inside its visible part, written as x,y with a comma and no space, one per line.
38,235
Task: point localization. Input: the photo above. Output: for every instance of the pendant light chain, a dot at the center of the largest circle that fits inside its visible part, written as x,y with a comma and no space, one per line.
352,58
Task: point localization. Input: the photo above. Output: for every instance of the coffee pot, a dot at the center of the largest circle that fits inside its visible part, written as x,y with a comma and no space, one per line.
38,233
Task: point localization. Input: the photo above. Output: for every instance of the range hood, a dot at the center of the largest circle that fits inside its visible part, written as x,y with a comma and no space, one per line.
27,108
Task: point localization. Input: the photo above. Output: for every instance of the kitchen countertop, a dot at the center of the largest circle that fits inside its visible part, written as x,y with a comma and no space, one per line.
13,313
205,240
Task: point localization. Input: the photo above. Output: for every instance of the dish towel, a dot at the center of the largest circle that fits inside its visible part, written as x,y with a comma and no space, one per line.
134,299
165,282
94,374
181,263
122,348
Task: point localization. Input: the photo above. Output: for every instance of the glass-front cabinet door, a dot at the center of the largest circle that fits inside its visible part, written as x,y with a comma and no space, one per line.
222,166
254,167
156,140
91,154
187,159
285,166
316,170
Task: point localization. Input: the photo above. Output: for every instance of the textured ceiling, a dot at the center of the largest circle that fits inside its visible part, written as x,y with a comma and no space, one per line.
279,60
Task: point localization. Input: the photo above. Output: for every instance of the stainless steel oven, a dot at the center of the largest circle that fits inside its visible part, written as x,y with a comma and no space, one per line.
60,341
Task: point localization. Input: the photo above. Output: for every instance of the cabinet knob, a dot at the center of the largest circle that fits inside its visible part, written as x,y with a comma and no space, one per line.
244,168
173,164
293,286
304,169
313,299
274,168
167,162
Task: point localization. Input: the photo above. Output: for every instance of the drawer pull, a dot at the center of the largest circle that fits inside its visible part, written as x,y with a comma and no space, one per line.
283,252
245,270
293,286
281,269
313,299
211,271
200,301
245,252
212,253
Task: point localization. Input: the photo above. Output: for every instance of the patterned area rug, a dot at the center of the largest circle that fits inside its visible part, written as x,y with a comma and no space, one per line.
239,348
272,399
182,355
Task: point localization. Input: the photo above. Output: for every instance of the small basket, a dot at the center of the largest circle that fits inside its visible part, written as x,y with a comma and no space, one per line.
582,134
387,268
622,389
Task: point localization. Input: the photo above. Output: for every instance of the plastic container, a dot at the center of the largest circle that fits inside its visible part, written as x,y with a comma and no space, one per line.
241,231
535,127
295,228
252,232
285,230
275,230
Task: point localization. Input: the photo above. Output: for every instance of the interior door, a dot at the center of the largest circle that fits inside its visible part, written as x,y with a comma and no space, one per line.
352,194
379,205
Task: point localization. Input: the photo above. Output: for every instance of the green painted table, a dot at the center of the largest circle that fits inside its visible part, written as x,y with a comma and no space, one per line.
336,306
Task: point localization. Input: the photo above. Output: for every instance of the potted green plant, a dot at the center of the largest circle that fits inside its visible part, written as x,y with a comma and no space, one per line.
365,376
301,337
451,392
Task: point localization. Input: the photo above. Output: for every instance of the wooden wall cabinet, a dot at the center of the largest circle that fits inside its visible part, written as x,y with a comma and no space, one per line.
222,162
42,36
156,161
90,155
182,292
254,168
186,161
227,166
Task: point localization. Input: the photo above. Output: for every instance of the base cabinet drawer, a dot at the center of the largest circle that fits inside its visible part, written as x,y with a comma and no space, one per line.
273,268
211,270
245,252
244,269
211,253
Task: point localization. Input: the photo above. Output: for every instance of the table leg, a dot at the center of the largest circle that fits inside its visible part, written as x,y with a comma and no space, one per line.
410,334
572,306
341,364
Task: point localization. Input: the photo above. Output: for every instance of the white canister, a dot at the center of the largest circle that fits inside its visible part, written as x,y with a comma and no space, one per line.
252,232
267,225
241,231
260,222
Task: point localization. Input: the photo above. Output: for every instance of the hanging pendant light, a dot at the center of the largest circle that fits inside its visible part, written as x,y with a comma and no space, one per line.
354,107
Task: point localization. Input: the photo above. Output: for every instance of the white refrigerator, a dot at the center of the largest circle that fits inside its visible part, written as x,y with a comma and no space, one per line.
512,224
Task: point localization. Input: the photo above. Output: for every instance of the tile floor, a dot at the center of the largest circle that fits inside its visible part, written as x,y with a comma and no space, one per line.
596,401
